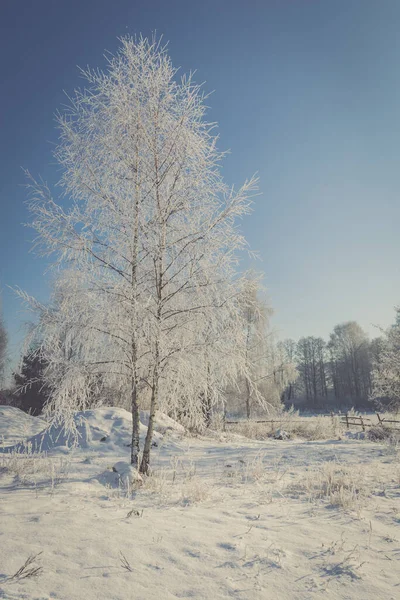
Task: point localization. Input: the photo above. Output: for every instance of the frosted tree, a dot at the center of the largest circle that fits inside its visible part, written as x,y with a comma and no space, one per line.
146,235
280,373
386,366
288,349
255,318
267,370
350,363
220,359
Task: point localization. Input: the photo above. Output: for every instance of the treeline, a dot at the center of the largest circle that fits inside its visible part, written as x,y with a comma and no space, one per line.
348,370
256,387
336,374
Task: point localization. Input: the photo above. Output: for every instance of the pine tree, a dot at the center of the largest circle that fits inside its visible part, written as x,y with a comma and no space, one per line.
31,391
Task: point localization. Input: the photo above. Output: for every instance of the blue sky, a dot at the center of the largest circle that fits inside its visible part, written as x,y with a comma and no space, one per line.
307,93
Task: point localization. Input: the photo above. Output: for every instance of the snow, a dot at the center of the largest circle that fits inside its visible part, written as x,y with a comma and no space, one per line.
355,435
222,517
127,473
110,427
162,421
281,434
16,425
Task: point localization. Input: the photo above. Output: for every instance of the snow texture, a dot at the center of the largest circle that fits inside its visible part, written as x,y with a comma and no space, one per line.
112,427
127,473
16,425
163,422
280,434
235,520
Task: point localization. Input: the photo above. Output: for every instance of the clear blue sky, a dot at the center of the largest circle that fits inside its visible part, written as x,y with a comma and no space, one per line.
307,93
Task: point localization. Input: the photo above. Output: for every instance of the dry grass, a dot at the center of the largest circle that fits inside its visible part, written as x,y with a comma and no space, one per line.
178,483
29,570
256,470
124,563
35,468
336,485
340,560
318,427
341,485
307,428
387,435
194,491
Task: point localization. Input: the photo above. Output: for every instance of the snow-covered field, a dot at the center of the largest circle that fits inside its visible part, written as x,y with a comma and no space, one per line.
221,517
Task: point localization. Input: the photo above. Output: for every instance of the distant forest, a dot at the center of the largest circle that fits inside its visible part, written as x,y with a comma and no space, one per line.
345,371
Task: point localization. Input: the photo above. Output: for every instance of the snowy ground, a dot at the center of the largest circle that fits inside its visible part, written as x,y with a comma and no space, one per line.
16,425
221,518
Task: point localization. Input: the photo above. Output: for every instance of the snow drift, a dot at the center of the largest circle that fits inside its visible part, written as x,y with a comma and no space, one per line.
16,425
96,428
163,422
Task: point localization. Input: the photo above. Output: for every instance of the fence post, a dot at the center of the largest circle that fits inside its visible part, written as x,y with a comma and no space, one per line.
362,423
347,420
379,419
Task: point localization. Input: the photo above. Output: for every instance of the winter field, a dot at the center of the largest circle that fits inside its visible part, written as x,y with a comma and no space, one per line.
221,516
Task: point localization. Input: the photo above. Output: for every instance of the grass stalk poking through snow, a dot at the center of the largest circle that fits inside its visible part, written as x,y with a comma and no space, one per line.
28,570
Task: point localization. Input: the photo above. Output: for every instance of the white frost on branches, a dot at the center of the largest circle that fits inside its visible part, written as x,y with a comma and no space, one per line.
268,370
145,244
386,367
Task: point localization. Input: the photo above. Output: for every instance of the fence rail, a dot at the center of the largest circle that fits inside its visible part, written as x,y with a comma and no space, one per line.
349,420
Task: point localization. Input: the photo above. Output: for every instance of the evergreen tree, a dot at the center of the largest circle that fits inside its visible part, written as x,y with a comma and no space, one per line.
31,391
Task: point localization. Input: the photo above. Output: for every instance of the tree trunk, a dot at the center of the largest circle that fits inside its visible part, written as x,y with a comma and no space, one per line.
206,400
145,464
248,391
135,447
159,269
248,398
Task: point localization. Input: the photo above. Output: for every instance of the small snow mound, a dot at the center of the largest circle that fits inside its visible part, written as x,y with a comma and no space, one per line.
108,427
163,422
280,434
16,425
58,436
127,473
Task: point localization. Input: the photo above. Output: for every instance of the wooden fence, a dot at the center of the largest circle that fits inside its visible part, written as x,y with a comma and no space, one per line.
363,422
347,419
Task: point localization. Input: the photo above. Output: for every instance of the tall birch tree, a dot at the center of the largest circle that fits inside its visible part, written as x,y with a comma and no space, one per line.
146,238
